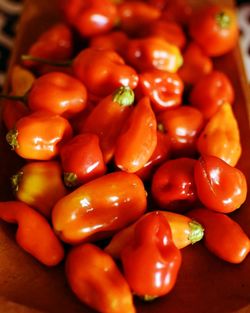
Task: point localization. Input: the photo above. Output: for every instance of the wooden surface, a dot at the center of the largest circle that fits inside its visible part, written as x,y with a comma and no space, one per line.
205,284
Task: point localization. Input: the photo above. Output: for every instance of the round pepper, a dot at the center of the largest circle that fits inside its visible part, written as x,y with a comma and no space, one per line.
12,111
99,208
220,187
58,93
35,184
54,44
138,138
151,261
91,273
210,92
81,159
21,80
215,29
153,52
196,63
38,136
223,236
170,31
163,88
135,16
173,186
183,125
178,11
34,233
102,71
90,17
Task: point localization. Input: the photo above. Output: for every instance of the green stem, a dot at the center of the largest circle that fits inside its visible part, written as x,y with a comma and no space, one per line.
11,138
70,179
196,232
15,180
26,57
124,96
223,20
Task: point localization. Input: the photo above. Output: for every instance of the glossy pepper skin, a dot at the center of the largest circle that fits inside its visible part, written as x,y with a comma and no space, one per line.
134,17
183,125
103,71
153,52
54,44
39,135
34,234
170,31
35,184
210,92
58,93
221,139
107,119
163,88
220,187
82,159
90,17
91,273
196,64
160,154
138,138
173,185
224,237
151,261
215,29
99,208
185,231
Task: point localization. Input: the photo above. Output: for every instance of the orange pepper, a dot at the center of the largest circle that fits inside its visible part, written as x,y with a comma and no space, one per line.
34,233
96,280
38,135
21,80
185,231
221,139
99,208
35,184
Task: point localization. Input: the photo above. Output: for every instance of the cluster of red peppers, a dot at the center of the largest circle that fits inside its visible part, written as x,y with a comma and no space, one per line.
129,140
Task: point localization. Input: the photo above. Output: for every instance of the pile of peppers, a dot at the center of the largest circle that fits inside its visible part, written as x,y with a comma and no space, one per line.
129,145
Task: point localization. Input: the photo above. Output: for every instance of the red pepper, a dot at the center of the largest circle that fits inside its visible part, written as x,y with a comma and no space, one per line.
82,159
215,29
151,53
35,184
137,141
185,231
96,280
151,261
178,11
220,187
107,119
38,136
99,208
210,92
163,88
224,237
160,154
54,44
196,64
34,234
170,31
173,185
116,40
183,125
135,16
58,93
102,71
90,17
